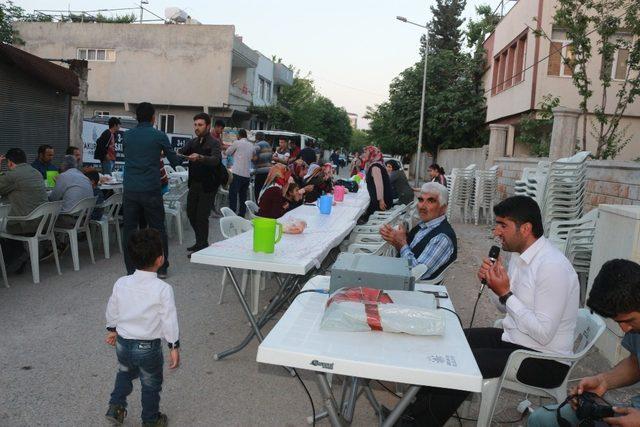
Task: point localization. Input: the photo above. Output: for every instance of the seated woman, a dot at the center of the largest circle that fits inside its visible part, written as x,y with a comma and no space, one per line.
298,169
294,195
399,184
271,202
313,178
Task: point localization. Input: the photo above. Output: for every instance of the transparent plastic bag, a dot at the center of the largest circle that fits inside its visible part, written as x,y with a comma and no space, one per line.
293,226
365,309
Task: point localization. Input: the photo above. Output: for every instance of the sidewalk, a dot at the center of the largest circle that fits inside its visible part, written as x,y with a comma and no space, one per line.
56,369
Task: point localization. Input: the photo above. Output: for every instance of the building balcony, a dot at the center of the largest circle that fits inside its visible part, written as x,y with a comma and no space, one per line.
239,97
243,56
282,75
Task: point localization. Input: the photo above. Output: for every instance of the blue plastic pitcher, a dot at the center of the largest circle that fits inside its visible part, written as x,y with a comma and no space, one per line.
324,204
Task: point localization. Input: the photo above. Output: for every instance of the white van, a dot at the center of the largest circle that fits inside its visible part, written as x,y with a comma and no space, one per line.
272,137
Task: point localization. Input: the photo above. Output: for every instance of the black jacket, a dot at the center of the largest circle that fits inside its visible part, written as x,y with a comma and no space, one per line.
203,171
102,144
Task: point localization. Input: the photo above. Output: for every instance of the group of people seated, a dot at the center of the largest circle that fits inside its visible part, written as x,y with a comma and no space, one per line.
23,187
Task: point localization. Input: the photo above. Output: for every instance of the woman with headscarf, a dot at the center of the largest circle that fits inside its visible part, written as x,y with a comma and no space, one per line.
399,183
378,184
315,177
272,202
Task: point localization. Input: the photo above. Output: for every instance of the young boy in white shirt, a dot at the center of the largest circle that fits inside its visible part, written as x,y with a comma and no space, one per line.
141,311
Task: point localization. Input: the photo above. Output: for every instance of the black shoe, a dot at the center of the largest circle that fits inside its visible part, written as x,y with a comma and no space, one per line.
161,421
192,247
162,273
115,414
196,249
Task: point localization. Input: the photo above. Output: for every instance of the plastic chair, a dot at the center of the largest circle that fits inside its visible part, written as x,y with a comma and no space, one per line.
111,208
589,327
4,213
174,205
82,211
180,169
379,249
169,170
47,213
252,208
438,280
231,226
227,212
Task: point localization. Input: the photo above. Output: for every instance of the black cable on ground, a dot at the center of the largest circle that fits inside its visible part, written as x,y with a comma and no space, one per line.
475,306
388,389
313,408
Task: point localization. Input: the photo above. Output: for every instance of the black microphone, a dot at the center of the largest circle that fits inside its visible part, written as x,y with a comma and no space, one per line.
494,253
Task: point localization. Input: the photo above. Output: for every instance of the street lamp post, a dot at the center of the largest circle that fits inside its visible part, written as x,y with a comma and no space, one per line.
424,90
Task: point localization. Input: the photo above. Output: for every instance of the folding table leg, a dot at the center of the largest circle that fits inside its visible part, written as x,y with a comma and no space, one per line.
329,401
401,406
247,311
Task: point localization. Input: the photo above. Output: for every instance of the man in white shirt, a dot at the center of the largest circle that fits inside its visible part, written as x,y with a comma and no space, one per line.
539,294
242,151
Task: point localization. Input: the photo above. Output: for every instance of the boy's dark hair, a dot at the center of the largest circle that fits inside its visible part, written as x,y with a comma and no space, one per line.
114,121
144,112
616,288
70,150
394,164
203,116
92,174
219,123
242,133
259,136
521,209
43,148
16,155
145,246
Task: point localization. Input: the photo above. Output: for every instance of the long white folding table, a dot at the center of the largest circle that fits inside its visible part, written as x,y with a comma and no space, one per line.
298,341
294,256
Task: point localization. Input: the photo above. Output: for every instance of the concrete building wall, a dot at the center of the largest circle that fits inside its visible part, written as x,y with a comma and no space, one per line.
183,116
162,64
264,70
462,157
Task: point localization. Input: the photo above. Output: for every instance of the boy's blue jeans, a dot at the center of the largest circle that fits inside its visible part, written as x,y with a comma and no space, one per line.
142,359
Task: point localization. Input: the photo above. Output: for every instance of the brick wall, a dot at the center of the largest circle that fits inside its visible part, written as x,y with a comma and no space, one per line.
608,181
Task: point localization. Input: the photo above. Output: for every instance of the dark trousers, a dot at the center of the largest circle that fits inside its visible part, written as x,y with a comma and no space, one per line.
434,406
143,359
199,204
258,183
238,194
147,205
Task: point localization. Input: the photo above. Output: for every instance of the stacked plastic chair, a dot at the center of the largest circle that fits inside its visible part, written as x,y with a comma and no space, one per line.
565,189
533,182
486,183
461,192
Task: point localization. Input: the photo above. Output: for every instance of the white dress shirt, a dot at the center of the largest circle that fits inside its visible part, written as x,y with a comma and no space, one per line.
542,312
242,151
141,307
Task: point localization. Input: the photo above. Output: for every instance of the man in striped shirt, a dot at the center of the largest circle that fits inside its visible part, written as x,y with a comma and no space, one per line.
432,242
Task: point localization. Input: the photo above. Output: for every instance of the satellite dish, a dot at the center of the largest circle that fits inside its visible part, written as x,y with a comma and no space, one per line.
176,14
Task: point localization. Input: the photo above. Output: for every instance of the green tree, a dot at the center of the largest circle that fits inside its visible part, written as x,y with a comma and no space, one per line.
535,128
445,28
359,140
9,13
477,30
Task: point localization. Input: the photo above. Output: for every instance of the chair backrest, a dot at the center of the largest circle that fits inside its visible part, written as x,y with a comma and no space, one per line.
418,271
168,169
111,206
589,327
48,214
227,212
252,206
82,211
231,226
180,169
4,213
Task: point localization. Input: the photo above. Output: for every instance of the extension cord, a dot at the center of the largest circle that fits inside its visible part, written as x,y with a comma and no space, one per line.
524,407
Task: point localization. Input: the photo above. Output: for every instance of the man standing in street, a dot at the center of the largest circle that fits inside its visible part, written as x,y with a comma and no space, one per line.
106,146
308,154
44,162
242,151
203,153
142,196
262,160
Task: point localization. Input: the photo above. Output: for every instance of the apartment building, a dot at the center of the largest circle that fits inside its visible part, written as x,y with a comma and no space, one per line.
523,68
181,69
267,78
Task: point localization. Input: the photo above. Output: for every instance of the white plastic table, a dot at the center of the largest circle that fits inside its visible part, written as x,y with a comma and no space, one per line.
295,255
438,361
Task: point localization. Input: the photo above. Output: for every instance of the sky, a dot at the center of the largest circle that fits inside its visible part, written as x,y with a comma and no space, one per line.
352,48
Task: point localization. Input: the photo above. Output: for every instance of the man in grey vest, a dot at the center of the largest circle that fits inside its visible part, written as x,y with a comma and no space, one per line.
432,242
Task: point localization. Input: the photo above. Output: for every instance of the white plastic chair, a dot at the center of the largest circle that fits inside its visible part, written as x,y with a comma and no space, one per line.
379,249
589,327
111,208
47,213
225,211
438,280
252,209
174,205
168,169
82,211
4,213
231,226
180,169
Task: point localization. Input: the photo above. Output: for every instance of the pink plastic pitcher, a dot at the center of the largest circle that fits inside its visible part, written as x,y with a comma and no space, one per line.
338,193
